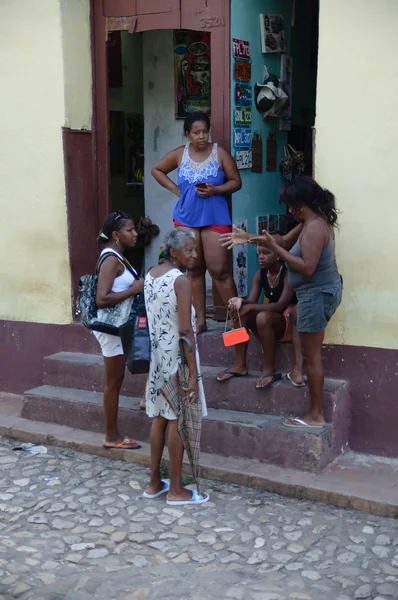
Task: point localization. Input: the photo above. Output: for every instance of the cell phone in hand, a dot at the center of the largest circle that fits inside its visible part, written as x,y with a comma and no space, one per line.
201,186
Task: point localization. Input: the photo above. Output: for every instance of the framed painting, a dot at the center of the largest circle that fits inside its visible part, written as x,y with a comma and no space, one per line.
272,33
192,72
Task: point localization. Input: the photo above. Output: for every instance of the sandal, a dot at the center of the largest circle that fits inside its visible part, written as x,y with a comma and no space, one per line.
291,380
274,377
298,423
232,375
125,444
195,499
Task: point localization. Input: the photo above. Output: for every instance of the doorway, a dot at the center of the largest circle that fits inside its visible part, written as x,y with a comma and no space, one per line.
304,50
126,131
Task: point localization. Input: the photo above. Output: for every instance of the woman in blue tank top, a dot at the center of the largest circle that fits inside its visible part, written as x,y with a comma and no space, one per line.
313,275
206,175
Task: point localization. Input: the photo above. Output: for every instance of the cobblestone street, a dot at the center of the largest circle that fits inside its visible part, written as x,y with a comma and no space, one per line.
75,527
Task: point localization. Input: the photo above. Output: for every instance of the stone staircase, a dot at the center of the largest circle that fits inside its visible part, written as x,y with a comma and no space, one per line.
243,422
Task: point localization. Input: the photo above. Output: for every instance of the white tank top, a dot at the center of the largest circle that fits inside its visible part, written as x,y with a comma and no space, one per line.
123,281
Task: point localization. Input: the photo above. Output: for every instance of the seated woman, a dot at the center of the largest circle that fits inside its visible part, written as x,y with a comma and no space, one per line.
117,280
168,300
313,274
270,322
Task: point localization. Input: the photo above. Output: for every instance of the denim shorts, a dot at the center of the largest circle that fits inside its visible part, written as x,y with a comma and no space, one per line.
317,305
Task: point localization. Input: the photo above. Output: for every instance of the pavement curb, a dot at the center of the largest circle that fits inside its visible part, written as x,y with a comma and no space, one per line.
266,477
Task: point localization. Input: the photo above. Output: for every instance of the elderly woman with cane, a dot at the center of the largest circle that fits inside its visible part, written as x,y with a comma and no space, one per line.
168,299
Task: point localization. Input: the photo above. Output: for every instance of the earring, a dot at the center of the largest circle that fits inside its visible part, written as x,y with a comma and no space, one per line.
117,242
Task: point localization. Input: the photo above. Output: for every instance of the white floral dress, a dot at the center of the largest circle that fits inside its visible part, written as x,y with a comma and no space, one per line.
161,307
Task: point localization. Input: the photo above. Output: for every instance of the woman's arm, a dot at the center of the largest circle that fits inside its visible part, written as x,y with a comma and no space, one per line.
311,244
235,304
233,181
287,241
277,307
109,270
183,290
164,166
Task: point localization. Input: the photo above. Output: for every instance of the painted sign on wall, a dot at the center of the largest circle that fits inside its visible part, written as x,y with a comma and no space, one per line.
244,159
240,260
243,116
243,70
241,49
242,137
243,94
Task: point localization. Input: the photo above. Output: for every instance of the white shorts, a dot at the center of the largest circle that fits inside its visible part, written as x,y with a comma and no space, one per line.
111,345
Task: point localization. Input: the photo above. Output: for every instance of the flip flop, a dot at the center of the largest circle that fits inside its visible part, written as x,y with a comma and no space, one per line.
274,376
166,487
297,423
196,499
233,374
291,380
125,444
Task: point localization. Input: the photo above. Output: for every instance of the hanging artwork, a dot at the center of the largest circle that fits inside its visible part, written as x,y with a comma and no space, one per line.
243,70
242,137
192,72
243,94
243,116
257,153
271,152
243,159
272,33
241,49
262,224
285,121
240,260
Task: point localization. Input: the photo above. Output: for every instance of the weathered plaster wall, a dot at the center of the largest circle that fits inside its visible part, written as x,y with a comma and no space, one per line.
356,157
162,132
76,45
34,258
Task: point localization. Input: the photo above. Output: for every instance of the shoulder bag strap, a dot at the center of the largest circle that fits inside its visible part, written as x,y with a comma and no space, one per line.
122,261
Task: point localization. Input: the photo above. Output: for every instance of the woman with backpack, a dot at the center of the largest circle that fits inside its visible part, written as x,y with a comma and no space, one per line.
117,281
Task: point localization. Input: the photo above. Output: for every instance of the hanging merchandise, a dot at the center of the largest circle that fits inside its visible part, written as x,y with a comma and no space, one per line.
270,98
292,164
271,152
257,153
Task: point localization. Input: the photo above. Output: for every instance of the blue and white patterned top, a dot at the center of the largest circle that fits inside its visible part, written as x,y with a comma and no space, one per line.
192,210
161,306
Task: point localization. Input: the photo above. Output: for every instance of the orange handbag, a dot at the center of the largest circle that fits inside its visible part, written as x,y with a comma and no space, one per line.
235,336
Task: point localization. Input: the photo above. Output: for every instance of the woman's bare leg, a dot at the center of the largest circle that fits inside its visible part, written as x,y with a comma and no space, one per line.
270,328
198,280
176,453
114,375
218,261
156,439
297,372
312,348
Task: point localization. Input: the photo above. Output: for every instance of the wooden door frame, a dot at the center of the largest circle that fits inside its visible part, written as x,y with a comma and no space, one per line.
203,20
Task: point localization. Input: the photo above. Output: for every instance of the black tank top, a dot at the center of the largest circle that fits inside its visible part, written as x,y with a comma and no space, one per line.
273,294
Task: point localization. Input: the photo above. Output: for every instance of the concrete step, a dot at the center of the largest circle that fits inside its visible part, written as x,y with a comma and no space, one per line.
213,352
86,371
225,432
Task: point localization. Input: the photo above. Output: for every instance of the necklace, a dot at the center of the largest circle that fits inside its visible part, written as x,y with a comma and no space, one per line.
273,280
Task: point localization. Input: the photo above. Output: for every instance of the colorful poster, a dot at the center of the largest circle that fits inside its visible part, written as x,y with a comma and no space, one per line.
285,121
243,116
262,224
242,137
244,159
240,261
243,70
243,94
272,33
241,49
192,72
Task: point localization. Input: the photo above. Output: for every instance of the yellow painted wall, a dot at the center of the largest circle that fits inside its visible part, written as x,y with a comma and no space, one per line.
34,257
357,158
76,41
